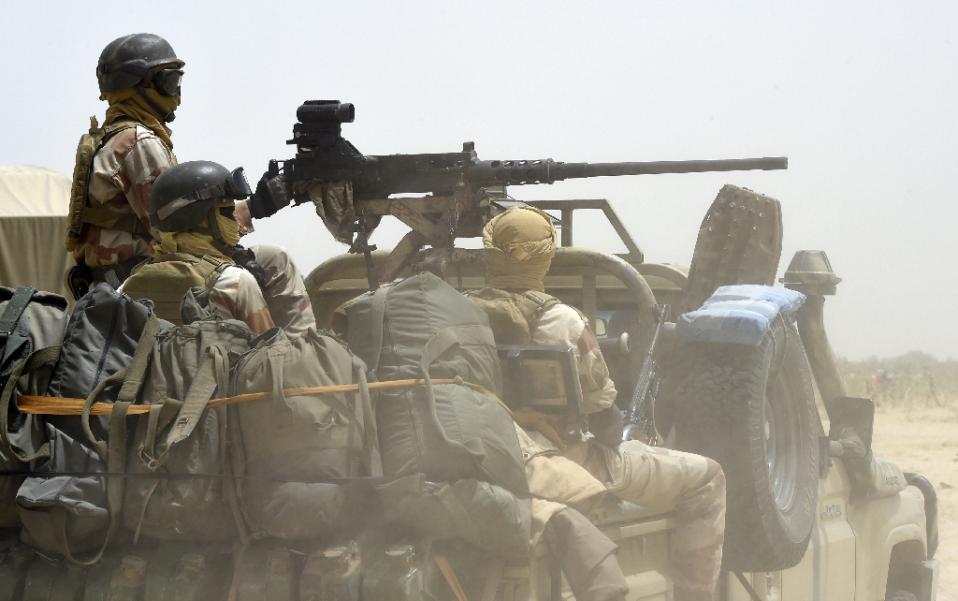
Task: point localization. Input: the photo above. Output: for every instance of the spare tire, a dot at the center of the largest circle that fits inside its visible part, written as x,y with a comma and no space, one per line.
753,410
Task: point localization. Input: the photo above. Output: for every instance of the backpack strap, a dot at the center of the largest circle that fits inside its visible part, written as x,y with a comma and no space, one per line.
12,334
215,267
41,358
211,372
130,379
13,311
378,316
541,302
367,418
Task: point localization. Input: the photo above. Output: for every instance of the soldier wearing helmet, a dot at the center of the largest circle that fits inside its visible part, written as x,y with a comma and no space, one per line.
197,245
139,76
519,246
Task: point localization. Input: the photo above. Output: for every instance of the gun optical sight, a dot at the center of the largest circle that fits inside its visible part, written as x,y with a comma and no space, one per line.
326,111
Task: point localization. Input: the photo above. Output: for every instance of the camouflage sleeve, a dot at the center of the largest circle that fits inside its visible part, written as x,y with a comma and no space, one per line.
146,160
236,295
562,325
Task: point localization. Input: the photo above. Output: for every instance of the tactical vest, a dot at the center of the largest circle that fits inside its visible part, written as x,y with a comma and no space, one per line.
81,213
165,279
513,316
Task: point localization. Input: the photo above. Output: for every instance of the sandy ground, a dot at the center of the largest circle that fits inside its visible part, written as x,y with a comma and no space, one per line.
926,441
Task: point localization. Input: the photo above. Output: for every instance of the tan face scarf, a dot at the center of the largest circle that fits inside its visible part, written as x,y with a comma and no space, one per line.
192,242
520,244
129,103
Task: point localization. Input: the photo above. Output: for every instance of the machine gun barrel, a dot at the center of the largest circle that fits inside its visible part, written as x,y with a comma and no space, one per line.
547,171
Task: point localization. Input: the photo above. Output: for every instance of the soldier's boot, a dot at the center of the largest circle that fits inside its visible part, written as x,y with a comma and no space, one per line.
586,556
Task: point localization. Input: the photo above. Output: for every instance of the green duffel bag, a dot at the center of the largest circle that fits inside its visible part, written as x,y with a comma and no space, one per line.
182,441
424,328
288,447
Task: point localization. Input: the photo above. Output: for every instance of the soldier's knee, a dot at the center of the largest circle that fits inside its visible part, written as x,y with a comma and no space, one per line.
714,473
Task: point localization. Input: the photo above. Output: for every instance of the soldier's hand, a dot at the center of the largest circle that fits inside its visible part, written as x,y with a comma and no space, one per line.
269,197
607,425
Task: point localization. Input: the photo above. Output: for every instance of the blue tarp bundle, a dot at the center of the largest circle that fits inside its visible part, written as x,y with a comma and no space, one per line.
738,314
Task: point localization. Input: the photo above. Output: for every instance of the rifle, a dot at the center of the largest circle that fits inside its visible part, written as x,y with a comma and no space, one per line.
639,417
462,189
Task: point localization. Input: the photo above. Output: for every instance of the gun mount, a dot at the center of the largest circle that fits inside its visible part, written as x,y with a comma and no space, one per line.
354,191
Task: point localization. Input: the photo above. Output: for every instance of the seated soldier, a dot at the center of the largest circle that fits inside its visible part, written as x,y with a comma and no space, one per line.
519,246
192,206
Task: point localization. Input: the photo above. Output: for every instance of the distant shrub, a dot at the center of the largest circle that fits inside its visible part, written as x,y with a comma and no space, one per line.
913,378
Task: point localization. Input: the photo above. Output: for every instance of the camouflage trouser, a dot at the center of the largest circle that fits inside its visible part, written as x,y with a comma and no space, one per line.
667,480
285,291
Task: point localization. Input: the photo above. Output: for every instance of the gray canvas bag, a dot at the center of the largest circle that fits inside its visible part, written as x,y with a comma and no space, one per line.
291,449
182,441
66,506
422,327
30,320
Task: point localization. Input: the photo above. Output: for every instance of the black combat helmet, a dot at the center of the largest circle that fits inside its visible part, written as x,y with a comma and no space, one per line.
185,194
128,61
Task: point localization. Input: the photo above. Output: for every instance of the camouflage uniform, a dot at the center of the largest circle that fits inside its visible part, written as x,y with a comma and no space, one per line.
123,172
282,302
236,295
658,478
285,291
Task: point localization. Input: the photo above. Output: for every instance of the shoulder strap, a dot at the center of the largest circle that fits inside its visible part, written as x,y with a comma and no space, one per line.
378,316
212,268
535,305
11,318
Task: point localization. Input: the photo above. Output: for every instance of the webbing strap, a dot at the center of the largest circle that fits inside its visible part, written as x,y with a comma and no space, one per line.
197,398
14,309
130,378
43,357
141,358
378,317
370,428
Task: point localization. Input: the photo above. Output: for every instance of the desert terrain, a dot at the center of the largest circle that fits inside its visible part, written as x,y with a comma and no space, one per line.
925,439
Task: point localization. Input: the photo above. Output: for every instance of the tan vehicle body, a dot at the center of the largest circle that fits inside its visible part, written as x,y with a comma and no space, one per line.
858,547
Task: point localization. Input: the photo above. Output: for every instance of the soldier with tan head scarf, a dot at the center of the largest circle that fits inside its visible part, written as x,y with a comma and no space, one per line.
519,246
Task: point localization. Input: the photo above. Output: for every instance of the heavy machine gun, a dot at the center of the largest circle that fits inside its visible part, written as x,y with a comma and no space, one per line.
353,191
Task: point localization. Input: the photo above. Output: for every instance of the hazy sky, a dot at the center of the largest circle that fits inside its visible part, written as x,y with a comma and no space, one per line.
861,96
